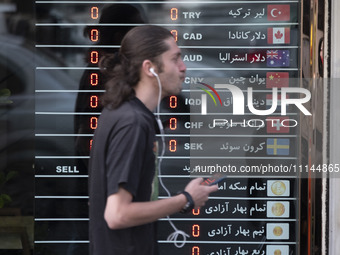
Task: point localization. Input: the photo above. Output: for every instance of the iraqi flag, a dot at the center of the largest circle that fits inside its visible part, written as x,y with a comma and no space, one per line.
269,102
278,35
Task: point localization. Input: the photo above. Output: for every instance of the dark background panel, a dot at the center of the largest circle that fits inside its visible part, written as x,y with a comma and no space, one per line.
61,231
61,208
61,186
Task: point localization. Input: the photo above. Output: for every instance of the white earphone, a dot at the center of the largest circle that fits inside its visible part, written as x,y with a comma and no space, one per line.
153,72
173,237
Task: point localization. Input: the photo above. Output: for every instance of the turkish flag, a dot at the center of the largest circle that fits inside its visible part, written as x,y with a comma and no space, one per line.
278,35
277,79
278,12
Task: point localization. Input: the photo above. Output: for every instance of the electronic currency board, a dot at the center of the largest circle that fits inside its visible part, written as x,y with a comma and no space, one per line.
231,119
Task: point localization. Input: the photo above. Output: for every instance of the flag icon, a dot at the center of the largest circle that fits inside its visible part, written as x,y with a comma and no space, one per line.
269,102
275,125
278,35
278,58
277,79
278,12
277,146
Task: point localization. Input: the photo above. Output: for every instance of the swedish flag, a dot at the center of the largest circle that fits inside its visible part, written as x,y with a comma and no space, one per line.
277,146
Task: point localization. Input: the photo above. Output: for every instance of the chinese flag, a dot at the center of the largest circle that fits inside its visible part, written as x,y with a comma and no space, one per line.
277,79
278,12
278,35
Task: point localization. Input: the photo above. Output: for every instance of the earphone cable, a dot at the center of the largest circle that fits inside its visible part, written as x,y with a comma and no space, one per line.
174,236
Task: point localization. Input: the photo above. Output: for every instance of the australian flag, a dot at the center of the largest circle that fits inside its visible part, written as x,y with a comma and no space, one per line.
278,58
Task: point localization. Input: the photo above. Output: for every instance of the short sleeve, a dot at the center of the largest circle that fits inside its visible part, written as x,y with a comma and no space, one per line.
124,158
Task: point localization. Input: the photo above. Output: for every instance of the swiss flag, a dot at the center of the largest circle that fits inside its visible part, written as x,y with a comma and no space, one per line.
278,12
278,35
274,125
277,79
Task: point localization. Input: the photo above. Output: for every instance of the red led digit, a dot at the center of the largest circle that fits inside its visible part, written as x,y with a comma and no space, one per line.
195,230
173,145
174,34
174,13
94,35
195,250
91,141
94,79
196,211
173,123
94,57
173,102
94,12
94,101
93,122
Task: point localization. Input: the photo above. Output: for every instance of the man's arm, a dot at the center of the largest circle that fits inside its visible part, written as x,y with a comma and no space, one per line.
121,212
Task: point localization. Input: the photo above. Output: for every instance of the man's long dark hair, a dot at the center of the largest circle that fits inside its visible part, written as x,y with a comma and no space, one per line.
123,68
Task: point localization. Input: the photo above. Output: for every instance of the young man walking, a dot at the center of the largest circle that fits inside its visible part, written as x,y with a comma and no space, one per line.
122,164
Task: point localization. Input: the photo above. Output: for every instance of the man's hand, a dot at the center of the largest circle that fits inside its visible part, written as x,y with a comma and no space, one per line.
121,212
199,192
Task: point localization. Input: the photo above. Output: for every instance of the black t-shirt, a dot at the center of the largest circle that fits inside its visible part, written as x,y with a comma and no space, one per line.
122,154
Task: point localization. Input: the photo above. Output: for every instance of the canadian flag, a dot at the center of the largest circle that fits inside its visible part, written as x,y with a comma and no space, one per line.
278,35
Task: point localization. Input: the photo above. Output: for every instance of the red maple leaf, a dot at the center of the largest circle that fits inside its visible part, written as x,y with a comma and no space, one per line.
278,34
